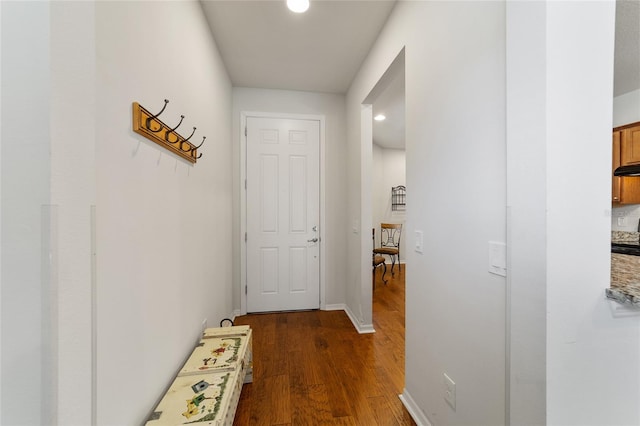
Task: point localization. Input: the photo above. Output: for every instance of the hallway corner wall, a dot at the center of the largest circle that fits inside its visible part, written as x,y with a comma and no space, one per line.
164,260
455,115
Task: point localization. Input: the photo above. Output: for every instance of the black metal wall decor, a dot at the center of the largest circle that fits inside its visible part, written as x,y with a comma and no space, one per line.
152,128
398,198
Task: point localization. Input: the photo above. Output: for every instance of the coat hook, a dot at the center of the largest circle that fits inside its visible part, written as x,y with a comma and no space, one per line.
166,101
169,131
192,133
182,142
196,147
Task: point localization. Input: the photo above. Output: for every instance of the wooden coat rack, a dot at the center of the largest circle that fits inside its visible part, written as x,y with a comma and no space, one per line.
152,128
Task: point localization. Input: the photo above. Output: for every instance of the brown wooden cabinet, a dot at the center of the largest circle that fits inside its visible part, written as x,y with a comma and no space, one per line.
630,146
615,182
626,150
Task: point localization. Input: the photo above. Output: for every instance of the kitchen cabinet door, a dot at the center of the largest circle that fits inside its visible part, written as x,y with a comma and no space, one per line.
624,190
630,146
615,182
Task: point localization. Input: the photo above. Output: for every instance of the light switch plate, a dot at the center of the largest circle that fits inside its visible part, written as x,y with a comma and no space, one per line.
498,258
419,241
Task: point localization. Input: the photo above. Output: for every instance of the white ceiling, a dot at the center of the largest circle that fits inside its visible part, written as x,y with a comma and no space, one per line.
627,52
264,45
390,103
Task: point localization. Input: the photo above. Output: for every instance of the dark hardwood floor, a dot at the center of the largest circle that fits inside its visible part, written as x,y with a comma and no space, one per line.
313,368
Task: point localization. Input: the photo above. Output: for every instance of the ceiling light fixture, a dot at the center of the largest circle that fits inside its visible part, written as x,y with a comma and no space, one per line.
379,117
298,6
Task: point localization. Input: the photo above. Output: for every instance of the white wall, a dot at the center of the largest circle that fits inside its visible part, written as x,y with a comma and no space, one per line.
73,192
164,262
49,173
26,290
586,334
455,116
388,170
526,211
331,106
626,110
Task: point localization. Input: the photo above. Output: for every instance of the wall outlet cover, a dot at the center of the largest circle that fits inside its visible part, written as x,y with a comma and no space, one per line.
498,258
449,391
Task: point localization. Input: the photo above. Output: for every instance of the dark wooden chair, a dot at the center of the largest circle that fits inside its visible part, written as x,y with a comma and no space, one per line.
390,234
378,260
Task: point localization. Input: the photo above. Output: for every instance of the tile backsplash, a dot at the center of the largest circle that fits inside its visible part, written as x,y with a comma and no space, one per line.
625,271
625,218
625,275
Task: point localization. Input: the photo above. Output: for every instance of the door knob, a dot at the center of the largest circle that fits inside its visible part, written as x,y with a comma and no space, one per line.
313,240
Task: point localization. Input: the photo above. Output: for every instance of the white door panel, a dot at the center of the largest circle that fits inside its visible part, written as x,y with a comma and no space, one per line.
283,185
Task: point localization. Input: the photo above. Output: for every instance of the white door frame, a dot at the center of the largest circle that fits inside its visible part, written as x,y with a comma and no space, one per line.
243,199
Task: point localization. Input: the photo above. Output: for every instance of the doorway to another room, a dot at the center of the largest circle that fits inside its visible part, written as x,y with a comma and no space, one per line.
388,179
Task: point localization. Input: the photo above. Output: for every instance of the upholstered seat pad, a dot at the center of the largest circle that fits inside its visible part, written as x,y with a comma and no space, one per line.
386,250
377,260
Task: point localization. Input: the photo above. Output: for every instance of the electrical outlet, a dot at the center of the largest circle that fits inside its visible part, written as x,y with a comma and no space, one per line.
498,258
449,391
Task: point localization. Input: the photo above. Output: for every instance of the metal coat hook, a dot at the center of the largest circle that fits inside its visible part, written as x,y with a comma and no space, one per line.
196,147
169,131
153,117
203,138
192,133
182,142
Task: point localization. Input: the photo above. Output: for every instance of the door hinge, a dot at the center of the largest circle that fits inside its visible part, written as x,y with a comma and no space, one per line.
245,290
245,237
245,131
245,184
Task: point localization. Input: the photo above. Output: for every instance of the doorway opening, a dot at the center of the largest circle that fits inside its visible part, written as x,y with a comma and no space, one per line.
387,173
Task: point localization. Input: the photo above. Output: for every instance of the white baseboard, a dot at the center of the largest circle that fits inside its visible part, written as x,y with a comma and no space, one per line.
414,410
234,314
360,328
335,307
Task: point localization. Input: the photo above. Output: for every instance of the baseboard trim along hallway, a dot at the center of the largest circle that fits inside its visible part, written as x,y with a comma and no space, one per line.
413,409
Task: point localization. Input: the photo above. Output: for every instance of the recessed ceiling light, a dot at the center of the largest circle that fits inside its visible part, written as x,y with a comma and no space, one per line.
298,6
379,117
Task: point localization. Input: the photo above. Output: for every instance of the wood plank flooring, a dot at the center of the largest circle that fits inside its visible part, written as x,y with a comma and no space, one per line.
313,368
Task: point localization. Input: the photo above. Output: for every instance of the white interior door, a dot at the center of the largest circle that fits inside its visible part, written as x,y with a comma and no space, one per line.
283,213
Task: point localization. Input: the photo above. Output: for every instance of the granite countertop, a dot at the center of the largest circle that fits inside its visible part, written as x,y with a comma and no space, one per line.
625,272
623,236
